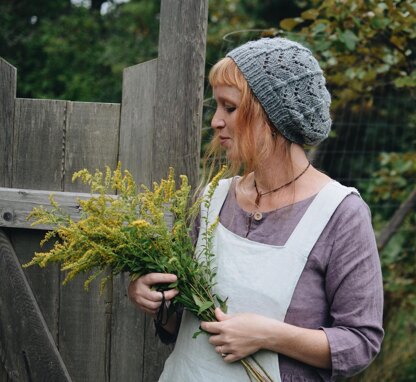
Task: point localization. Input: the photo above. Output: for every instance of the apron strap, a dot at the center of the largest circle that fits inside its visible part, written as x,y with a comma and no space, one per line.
209,215
317,216
217,200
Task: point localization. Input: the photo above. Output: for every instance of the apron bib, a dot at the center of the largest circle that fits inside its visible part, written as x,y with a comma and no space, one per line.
257,278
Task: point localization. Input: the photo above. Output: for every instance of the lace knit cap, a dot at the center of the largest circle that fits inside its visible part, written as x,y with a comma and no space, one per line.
289,84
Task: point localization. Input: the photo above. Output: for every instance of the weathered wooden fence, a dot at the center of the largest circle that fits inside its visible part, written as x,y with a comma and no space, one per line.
50,332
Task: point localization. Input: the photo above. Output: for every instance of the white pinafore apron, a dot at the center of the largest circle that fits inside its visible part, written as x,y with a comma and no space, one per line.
257,278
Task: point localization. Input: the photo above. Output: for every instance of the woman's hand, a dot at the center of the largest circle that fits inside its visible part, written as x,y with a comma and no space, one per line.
148,300
240,335
236,335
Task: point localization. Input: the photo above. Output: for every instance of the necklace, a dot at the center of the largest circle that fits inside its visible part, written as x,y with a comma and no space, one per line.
260,194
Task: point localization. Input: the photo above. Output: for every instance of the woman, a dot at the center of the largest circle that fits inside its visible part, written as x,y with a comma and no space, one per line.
295,250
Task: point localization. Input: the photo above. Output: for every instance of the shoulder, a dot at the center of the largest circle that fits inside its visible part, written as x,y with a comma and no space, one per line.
350,223
351,232
352,207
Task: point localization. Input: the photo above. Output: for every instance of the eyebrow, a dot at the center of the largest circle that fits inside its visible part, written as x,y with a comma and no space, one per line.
225,100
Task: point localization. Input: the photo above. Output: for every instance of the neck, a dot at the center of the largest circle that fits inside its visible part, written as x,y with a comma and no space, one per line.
275,172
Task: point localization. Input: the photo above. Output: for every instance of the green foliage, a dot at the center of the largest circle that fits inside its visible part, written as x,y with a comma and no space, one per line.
232,22
388,188
68,51
360,44
390,181
389,185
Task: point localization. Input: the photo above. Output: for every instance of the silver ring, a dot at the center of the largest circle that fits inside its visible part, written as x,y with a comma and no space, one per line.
222,353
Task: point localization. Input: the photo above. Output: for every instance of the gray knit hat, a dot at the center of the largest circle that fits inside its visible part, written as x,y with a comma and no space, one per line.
289,84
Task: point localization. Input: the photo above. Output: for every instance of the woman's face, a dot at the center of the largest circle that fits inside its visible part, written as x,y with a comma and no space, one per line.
224,121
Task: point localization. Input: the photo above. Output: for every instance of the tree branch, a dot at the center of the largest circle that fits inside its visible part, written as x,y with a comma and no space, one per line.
397,219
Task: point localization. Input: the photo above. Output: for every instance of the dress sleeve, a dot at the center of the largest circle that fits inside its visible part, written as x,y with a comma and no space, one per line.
354,291
166,337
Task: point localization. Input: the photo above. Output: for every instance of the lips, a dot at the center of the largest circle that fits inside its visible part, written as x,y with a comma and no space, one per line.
223,139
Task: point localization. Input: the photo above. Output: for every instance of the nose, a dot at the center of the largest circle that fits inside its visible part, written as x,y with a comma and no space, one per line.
217,122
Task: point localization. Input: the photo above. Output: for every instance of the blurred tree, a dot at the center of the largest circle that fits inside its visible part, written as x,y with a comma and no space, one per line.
70,51
360,44
232,22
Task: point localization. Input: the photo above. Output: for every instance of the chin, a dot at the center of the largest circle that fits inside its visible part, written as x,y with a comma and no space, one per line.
232,156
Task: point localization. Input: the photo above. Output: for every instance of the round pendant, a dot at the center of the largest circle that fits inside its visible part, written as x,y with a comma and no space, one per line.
258,216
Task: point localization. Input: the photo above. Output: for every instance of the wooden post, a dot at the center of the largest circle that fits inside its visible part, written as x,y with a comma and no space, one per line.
161,120
7,98
179,88
136,135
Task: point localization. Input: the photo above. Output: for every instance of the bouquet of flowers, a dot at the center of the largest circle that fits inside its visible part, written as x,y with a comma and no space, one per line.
139,233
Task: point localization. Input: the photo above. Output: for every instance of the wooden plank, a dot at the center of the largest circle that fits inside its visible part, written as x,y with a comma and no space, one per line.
135,153
7,98
127,342
85,318
16,204
37,155
179,88
137,120
4,376
38,136
91,140
155,354
25,243
26,343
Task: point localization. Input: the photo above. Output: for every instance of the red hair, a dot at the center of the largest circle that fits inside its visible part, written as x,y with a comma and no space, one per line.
251,151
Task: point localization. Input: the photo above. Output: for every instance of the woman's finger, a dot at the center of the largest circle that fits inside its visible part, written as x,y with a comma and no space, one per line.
230,358
158,278
211,327
158,295
142,293
216,340
170,294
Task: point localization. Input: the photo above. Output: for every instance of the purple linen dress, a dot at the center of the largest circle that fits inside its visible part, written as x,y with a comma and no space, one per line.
340,288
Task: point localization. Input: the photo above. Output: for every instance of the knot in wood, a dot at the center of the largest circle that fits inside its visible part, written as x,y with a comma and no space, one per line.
7,216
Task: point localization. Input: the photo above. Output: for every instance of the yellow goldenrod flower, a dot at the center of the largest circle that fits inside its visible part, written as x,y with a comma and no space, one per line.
140,224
